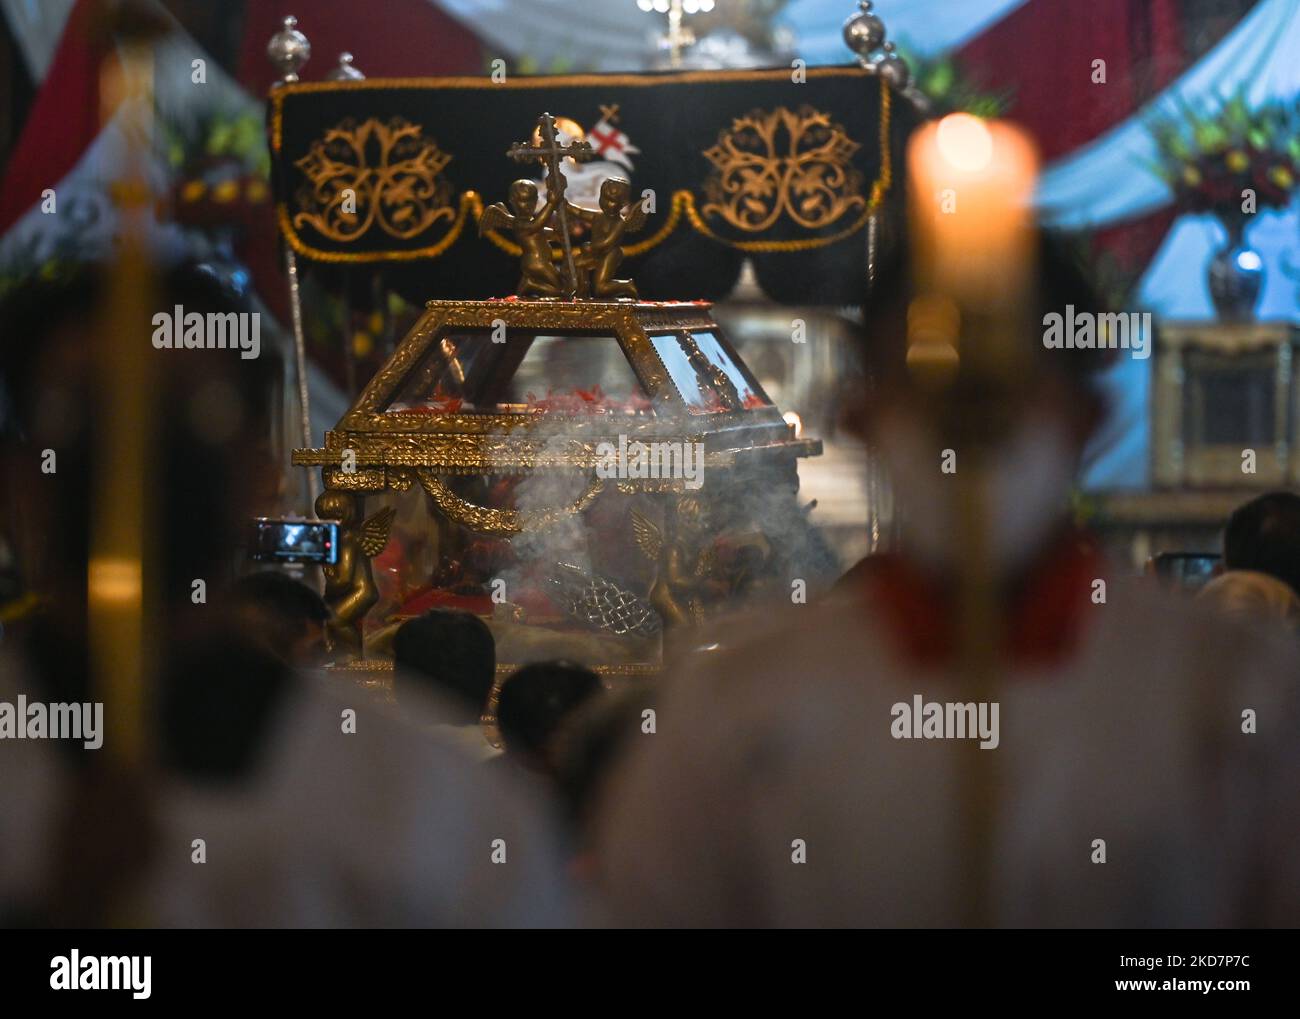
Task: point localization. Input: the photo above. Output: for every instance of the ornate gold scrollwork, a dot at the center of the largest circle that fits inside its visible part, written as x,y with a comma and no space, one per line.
400,479
370,480
776,163
486,520
375,173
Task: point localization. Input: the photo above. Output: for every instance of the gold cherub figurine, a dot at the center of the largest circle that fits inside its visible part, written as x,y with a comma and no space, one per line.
350,590
588,272
600,257
684,569
539,275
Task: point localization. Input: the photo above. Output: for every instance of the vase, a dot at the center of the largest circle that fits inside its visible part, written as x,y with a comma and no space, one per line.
1236,272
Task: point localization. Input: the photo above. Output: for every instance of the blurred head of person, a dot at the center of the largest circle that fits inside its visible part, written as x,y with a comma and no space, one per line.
1028,425
536,701
283,614
1251,596
448,651
216,707
592,742
1264,535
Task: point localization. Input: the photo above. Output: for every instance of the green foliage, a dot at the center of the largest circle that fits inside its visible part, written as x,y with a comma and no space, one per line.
221,134
949,90
23,268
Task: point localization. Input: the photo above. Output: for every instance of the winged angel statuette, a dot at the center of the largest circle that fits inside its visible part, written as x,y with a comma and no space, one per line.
683,566
538,273
350,590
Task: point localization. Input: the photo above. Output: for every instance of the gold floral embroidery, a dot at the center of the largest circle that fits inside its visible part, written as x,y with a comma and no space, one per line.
780,162
387,174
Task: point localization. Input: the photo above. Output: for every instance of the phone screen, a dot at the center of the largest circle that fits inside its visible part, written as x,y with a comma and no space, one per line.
295,541
1189,570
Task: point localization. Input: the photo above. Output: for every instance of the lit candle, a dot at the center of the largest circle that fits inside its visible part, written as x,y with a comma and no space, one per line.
970,186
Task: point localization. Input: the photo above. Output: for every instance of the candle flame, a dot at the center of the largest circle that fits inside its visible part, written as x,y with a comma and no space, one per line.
965,142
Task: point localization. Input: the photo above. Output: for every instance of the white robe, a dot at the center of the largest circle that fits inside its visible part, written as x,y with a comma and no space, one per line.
391,826
1136,740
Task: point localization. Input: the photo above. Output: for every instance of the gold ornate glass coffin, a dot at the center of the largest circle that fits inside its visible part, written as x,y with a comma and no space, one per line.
583,474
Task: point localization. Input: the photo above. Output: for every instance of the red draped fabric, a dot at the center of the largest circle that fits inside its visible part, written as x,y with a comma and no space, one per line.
65,117
1043,54
1131,244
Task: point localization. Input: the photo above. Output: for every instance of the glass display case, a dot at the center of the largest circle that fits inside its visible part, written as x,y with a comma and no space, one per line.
585,475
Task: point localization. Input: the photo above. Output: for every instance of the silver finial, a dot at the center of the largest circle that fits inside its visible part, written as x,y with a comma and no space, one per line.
863,31
893,68
345,71
288,50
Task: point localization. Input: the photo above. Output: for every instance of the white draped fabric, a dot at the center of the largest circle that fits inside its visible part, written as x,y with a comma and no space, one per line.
83,191
1106,182
778,742
1174,282
37,26
617,35
612,35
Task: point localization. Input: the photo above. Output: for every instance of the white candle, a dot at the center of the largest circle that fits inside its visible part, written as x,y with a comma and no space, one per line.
970,187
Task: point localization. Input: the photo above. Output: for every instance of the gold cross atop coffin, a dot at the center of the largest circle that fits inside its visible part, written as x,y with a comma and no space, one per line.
549,154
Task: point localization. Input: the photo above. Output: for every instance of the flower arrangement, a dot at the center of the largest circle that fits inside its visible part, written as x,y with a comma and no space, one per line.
222,170
1210,160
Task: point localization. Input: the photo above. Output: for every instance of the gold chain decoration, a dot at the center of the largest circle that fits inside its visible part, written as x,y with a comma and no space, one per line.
486,520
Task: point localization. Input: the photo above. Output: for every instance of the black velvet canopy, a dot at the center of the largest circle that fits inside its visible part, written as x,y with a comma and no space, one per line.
393,175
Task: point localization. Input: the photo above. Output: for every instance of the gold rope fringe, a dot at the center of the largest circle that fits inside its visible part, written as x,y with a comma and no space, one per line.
470,205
